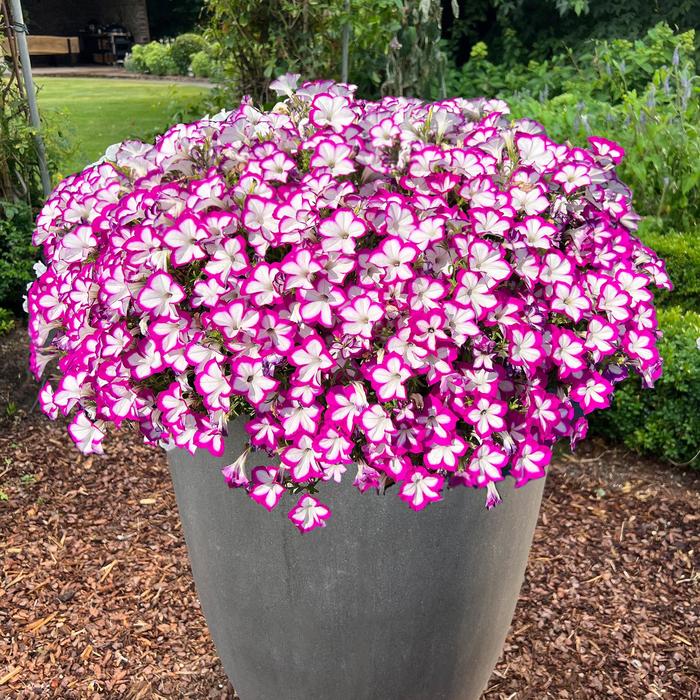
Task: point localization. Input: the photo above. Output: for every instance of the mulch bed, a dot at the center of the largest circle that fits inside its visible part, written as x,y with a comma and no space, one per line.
97,601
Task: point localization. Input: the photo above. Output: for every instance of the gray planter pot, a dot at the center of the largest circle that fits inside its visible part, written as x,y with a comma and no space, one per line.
382,604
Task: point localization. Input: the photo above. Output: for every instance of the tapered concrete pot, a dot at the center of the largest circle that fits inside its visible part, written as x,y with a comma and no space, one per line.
382,604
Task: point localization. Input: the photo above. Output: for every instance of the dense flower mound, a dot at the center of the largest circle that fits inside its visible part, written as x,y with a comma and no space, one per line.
431,293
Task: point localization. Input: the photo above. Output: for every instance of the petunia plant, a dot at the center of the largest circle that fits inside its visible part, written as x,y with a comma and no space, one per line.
408,295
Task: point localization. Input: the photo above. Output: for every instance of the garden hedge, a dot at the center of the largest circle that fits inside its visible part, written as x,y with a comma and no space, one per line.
663,422
681,251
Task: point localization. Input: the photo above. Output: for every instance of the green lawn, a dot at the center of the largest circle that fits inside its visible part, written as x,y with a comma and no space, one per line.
100,111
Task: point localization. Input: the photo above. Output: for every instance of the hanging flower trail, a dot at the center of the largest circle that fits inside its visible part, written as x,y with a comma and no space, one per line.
434,293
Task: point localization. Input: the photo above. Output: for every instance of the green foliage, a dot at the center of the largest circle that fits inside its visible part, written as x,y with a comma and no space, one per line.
643,94
260,41
374,25
16,253
602,70
520,30
203,65
183,49
154,58
135,60
175,57
159,60
7,321
416,64
663,422
19,170
681,252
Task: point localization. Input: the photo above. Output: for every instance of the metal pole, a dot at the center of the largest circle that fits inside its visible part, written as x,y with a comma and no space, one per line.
20,28
346,44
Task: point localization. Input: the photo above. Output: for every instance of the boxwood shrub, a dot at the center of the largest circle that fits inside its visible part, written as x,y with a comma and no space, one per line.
184,47
17,255
665,422
681,251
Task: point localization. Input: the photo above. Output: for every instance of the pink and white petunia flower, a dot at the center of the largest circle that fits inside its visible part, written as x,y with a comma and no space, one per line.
377,424
446,456
346,404
317,305
213,386
335,157
87,434
572,176
389,377
530,462
161,295
47,403
229,258
614,302
567,352
331,111
592,392
311,359
571,301
607,149
394,257
525,347
261,285
601,337
360,316
185,239
421,488
309,514
641,345
301,459
234,473
486,415
78,244
488,260
250,380
300,269
265,487
536,232
339,232
486,464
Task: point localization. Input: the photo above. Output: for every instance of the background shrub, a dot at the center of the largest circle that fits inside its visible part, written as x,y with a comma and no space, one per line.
519,30
203,65
261,40
681,251
7,321
183,49
643,94
135,60
155,58
16,253
159,59
663,422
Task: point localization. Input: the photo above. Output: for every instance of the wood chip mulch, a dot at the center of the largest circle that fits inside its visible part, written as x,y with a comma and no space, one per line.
97,601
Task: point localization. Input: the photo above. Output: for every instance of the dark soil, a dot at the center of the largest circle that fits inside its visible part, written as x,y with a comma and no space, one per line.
97,601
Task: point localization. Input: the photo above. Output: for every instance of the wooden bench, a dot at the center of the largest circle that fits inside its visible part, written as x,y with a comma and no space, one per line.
41,45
